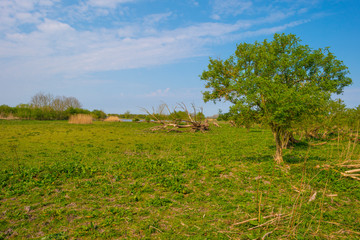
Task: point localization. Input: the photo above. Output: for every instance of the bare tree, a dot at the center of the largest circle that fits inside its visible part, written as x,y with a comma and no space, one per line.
59,103
41,100
172,122
71,102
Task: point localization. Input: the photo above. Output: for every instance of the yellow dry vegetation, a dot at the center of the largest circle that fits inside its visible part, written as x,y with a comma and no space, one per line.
80,119
112,119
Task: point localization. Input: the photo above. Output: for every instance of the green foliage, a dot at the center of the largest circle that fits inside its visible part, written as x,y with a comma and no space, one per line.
147,118
333,118
224,116
136,119
5,110
280,82
46,107
127,115
98,114
178,115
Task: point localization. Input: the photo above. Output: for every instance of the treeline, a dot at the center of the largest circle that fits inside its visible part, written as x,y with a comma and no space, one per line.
156,116
334,119
47,107
128,115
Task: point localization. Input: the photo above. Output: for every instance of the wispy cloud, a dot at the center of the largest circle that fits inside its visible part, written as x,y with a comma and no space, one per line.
156,18
230,7
107,3
55,45
159,93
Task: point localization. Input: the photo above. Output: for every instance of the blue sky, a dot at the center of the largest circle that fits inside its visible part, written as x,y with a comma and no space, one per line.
119,55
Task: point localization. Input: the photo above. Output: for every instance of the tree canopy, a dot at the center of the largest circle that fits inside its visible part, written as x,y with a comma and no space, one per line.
281,81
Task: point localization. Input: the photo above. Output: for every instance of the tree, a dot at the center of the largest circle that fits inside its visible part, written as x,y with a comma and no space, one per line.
41,100
98,114
281,80
71,102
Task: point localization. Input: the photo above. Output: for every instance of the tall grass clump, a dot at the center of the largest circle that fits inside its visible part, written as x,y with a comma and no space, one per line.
9,116
80,119
112,119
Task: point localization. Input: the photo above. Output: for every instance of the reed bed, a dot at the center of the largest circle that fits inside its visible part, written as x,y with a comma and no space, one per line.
112,119
80,119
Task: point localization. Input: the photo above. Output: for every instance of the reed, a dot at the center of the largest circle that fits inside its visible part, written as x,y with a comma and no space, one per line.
112,119
80,119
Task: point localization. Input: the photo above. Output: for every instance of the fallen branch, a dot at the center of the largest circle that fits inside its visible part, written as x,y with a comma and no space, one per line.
216,124
268,222
232,123
254,219
317,144
350,176
351,166
266,234
189,122
352,171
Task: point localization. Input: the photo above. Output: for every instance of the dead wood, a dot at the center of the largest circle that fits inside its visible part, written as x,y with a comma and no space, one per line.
351,166
216,124
317,144
254,219
350,176
352,171
190,123
232,123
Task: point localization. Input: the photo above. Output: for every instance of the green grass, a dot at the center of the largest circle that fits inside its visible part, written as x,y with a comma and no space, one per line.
117,180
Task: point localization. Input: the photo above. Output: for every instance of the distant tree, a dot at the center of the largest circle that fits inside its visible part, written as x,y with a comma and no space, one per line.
147,118
282,81
41,100
178,116
71,102
127,115
244,117
200,116
224,116
58,103
98,114
5,110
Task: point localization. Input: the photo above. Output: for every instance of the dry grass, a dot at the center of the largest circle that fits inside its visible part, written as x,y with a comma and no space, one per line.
8,117
112,119
80,119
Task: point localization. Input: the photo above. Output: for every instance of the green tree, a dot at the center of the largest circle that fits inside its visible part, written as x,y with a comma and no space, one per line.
98,114
281,80
245,117
127,115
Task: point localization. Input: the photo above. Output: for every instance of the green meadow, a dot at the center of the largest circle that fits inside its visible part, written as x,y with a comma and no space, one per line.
122,181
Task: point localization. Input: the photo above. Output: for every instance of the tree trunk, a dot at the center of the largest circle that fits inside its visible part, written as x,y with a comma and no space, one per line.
278,154
281,137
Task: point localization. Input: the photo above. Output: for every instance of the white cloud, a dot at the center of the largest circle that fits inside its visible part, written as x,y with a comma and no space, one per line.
16,12
51,26
155,18
56,46
230,7
107,3
159,93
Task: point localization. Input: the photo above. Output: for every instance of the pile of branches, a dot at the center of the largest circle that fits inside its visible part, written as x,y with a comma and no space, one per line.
175,122
354,169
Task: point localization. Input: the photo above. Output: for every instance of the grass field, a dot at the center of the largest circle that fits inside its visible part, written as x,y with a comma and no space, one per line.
117,180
